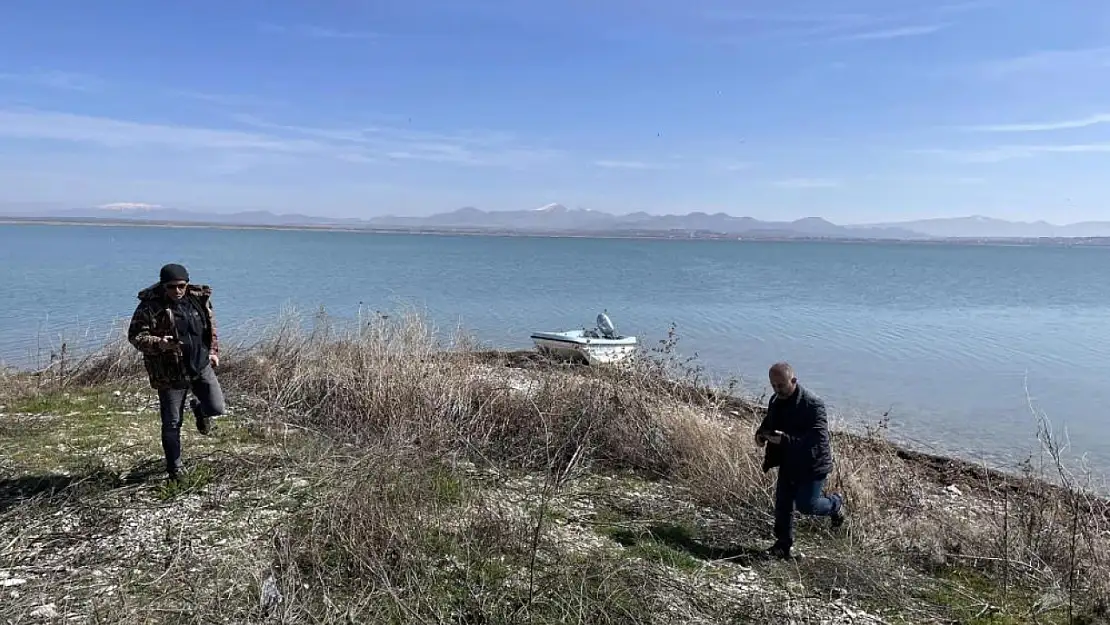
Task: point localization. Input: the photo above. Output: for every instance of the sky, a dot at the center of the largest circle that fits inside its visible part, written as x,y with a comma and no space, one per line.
858,111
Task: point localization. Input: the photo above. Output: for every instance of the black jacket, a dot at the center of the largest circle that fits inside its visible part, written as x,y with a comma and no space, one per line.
805,450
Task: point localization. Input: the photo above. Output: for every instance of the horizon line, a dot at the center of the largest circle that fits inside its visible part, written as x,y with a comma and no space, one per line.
124,209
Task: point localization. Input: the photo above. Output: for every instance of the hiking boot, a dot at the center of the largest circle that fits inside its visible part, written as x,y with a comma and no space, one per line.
176,473
204,422
840,516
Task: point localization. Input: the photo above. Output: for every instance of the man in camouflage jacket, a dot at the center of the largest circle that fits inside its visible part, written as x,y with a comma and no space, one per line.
175,329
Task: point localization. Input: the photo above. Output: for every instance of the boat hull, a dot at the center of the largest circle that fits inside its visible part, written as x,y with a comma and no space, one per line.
576,346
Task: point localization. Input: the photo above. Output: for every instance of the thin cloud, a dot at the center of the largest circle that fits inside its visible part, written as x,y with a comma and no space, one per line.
842,27
354,145
616,164
68,81
902,32
355,135
479,148
1048,61
514,158
925,179
732,165
742,27
839,19
1065,124
807,183
854,19
313,31
109,132
959,180
967,7
223,99
318,32
1005,153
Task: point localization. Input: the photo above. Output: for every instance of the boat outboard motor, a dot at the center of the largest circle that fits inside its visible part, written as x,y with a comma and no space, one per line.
605,325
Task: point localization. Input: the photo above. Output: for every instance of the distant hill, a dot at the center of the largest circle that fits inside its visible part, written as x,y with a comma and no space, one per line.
144,212
980,227
558,219
552,218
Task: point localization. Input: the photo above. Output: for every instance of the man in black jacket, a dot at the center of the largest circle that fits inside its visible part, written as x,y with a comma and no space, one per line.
174,327
796,433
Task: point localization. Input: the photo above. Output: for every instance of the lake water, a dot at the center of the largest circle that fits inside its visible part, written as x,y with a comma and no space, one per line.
945,338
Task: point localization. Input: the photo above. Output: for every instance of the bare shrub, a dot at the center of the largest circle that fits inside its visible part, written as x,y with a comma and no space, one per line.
407,539
406,405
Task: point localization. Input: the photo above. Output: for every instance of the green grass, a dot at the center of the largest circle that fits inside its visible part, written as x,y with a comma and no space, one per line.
53,429
447,487
670,544
972,597
66,431
656,551
195,479
59,402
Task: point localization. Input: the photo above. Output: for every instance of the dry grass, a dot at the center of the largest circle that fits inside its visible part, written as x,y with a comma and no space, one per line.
409,534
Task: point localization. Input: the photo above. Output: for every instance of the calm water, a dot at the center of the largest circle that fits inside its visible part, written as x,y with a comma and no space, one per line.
944,337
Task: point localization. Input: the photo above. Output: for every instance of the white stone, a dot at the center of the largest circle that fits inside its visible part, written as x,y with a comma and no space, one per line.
47,611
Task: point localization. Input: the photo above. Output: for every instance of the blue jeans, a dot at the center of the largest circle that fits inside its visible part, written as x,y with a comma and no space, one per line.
806,494
171,403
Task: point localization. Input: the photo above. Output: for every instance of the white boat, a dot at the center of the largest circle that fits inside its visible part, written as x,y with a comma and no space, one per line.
600,345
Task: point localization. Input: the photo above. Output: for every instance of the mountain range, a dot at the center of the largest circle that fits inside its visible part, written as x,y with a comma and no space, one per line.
989,228
556,218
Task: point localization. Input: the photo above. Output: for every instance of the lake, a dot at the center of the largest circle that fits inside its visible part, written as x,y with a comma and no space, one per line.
952,340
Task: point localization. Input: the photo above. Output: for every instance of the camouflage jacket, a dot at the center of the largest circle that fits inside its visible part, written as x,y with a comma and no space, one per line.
153,319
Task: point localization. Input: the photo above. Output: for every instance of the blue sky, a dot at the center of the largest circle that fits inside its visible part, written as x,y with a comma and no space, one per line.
855,110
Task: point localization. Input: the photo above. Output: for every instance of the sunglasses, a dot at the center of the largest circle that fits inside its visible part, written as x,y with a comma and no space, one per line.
178,286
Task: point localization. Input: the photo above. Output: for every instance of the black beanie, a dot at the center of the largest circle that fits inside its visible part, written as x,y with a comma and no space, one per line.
173,273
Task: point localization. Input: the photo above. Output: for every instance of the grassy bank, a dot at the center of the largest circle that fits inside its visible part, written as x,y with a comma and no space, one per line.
386,478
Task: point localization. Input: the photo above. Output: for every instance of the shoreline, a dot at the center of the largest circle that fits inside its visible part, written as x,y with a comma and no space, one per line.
962,467
684,235
943,466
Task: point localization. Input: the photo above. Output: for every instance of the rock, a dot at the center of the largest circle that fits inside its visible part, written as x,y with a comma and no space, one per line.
117,393
951,489
12,581
45,612
270,595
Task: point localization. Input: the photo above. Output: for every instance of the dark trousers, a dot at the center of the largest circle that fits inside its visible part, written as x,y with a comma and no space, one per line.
171,404
804,493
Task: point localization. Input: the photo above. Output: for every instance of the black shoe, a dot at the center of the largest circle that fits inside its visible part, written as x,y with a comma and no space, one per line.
177,473
204,423
840,516
778,552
